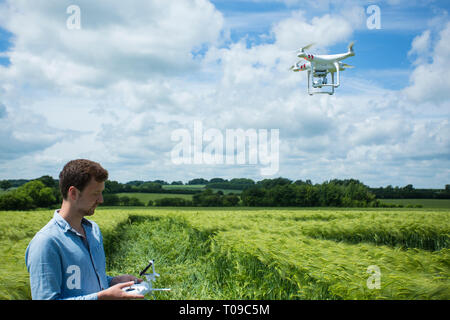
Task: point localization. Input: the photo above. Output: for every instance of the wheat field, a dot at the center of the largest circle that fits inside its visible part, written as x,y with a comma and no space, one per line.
264,253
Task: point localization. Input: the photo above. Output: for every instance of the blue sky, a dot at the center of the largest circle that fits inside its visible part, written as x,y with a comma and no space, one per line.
5,44
386,48
136,72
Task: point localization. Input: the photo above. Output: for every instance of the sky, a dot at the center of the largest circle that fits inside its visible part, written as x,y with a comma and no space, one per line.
131,84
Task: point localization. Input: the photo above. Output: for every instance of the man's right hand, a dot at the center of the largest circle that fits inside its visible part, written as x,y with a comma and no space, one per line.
116,293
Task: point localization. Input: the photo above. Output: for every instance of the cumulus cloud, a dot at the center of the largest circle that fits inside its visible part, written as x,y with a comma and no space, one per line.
324,31
420,47
26,133
134,40
428,81
78,79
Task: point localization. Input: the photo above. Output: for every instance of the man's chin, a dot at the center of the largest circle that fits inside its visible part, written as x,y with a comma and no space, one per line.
89,212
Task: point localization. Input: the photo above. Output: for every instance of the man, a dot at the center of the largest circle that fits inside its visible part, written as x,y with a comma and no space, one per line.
66,259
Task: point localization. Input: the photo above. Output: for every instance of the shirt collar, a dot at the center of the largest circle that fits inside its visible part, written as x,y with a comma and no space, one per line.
65,225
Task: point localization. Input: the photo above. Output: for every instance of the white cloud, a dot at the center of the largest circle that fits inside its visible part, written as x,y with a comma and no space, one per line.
22,133
118,40
324,31
421,45
428,80
63,78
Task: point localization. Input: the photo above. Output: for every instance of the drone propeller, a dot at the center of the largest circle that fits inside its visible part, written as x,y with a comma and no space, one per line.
308,46
304,48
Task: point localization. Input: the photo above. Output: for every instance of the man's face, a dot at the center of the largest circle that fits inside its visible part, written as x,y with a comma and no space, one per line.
90,197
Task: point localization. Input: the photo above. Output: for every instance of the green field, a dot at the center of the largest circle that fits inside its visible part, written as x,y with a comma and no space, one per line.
199,187
145,197
426,203
184,187
265,253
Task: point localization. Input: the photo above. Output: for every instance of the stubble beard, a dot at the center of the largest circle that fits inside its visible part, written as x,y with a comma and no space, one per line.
90,211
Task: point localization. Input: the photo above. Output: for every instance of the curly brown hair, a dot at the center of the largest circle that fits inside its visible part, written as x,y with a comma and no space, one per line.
78,173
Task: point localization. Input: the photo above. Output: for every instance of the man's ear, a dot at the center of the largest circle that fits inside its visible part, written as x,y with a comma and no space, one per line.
72,193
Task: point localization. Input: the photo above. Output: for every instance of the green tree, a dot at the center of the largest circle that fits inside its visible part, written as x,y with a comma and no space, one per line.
48,181
124,201
42,196
198,181
217,180
230,200
5,184
112,187
111,200
135,202
16,200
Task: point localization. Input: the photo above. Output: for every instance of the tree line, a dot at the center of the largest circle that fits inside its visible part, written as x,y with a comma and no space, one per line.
44,192
283,192
156,186
409,192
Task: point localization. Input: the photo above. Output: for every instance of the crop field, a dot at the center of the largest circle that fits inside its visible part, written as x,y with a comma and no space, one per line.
264,253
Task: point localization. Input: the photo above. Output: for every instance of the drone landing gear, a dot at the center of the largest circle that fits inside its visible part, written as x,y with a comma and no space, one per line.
317,82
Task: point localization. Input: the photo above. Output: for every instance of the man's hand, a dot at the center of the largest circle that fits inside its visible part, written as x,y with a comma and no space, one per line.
115,292
124,278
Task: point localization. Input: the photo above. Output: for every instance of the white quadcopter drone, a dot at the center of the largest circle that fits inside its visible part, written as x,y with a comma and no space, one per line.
145,286
319,66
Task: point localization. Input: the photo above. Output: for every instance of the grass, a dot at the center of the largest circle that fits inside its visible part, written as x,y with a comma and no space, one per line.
263,253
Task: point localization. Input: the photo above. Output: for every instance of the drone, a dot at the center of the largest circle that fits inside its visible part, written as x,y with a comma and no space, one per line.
145,287
319,66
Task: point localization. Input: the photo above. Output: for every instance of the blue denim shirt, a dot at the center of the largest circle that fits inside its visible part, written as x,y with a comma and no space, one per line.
62,265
